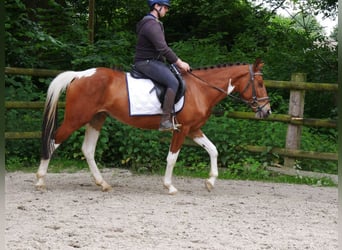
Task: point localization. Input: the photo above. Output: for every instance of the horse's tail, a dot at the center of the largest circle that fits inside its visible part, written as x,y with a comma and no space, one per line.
57,86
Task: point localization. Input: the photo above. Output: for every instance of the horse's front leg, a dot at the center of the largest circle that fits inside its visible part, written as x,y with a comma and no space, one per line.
205,143
171,161
176,144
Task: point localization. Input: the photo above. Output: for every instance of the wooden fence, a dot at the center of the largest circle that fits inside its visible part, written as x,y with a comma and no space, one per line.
294,119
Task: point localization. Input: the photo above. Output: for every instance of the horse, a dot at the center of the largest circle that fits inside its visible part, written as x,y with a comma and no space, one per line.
92,95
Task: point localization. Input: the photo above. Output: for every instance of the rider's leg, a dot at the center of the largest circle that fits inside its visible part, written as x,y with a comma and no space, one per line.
161,73
169,100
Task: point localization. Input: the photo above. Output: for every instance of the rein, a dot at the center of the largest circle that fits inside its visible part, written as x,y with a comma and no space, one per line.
210,85
255,100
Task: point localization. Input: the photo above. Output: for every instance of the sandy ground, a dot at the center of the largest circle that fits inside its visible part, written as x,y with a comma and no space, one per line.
139,214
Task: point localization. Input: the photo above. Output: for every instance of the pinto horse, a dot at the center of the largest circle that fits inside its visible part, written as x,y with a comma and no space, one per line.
94,94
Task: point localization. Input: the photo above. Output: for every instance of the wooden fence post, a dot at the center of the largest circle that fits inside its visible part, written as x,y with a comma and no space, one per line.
296,110
91,21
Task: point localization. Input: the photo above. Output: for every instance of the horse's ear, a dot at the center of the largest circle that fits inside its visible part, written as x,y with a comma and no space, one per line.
258,64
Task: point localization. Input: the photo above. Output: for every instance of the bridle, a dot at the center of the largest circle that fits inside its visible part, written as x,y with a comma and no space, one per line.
254,102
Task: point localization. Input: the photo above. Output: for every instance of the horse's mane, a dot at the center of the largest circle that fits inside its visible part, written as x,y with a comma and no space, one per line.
224,65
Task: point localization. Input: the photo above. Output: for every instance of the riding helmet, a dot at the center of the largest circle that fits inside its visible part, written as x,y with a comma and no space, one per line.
161,2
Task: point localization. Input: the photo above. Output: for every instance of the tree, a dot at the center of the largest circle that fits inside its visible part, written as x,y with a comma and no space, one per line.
334,34
326,7
39,35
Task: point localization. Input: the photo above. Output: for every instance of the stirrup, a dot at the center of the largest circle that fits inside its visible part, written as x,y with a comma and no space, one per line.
175,125
170,125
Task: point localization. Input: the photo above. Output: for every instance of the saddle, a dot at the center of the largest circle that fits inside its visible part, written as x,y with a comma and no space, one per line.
159,88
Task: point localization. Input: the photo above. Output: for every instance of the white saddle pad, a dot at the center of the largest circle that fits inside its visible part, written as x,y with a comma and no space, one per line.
142,97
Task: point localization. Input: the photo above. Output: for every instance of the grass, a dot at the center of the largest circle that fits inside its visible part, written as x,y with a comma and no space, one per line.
55,166
266,176
249,171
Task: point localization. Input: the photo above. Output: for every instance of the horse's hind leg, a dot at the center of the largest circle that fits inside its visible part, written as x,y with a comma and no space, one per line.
88,148
42,170
62,133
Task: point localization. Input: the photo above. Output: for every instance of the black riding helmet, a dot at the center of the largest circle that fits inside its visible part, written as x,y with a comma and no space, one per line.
151,3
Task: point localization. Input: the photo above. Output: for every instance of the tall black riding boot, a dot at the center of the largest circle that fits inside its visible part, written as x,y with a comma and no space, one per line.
166,123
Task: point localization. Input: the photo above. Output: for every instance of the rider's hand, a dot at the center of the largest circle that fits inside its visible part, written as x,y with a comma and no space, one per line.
183,65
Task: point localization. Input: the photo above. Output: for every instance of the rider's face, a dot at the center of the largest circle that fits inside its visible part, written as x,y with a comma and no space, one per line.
163,9
166,8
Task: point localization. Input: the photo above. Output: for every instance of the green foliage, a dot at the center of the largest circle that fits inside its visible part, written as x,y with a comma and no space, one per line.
37,36
235,133
286,48
319,140
249,168
57,165
116,52
326,7
201,52
137,149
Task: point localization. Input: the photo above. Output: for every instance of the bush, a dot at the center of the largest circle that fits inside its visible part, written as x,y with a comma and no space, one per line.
122,146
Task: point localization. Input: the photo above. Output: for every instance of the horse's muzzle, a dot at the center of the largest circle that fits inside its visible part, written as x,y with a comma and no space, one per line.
263,113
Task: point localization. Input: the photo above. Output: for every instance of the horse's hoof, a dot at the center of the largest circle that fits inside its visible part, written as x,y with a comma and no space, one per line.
40,185
106,187
172,189
209,185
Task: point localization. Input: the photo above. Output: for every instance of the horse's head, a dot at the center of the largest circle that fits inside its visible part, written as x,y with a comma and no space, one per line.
253,91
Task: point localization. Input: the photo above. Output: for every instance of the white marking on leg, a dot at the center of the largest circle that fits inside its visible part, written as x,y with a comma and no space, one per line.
205,143
42,170
171,161
88,149
41,173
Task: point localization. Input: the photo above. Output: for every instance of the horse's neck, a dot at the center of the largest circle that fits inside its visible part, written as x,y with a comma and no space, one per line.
219,78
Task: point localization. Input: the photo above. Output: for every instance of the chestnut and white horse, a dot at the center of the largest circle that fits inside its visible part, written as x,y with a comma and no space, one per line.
94,94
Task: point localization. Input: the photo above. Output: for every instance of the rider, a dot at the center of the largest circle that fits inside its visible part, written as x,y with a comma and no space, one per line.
151,53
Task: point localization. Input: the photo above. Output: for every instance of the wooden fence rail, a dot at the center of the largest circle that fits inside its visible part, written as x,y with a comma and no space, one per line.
285,118
311,122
